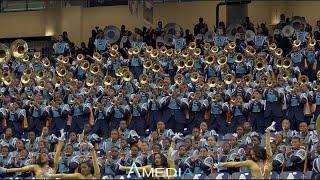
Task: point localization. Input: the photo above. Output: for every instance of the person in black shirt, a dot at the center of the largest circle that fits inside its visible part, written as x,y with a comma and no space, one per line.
159,29
189,37
200,26
248,25
123,30
91,45
83,49
265,30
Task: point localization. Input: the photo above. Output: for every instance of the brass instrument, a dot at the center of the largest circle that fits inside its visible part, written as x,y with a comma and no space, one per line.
192,45
113,102
74,100
85,65
154,53
4,53
191,95
90,81
318,75
61,70
185,53
80,57
212,81
312,42
156,66
60,58
160,83
169,52
206,46
41,84
222,59
58,81
279,63
238,81
147,64
179,79
233,100
177,51
143,79
239,58
94,69
65,60
286,63
127,76
40,75
303,79
149,49
214,49
231,45
180,64
285,74
278,51
269,82
170,92
260,64
249,49
248,79
296,43
7,80
195,76
228,79
97,56
189,63
119,71
163,50
209,59
25,79
19,48
273,46
115,47
113,53
85,90
197,52
264,77
27,71
214,98
152,97
25,58
135,50
107,80
37,55
45,62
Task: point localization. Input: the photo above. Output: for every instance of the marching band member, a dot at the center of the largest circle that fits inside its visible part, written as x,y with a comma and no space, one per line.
295,155
256,112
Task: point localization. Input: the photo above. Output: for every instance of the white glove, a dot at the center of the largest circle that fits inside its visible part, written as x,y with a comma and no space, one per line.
120,167
271,127
90,146
62,135
176,136
216,165
3,170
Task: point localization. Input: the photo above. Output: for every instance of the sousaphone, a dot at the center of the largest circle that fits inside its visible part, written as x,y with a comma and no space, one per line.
168,39
112,34
172,28
4,53
287,31
19,48
209,37
249,35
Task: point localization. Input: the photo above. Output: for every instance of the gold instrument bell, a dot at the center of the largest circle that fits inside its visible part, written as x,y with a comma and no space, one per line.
179,79
149,49
143,79
40,75
19,48
58,81
60,58
296,43
107,80
136,50
156,66
214,49
260,64
127,76
231,45
85,65
90,81
269,82
37,55
197,52
206,46
25,58
248,79
273,46
113,53
239,58
228,79
160,83
192,45
303,79
115,47
209,59
278,51
185,53
195,77
222,59
80,57
189,63
318,75
286,63
169,52
65,60
212,81
177,51
4,53
97,56
147,64
7,80
61,71
170,92
180,64
25,79
163,50
27,71
41,84
94,69
45,62
279,62
154,53
285,74
312,42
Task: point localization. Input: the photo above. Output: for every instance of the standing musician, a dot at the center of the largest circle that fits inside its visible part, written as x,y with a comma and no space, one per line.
61,47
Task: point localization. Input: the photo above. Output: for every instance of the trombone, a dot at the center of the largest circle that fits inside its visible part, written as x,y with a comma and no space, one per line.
222,60
228,79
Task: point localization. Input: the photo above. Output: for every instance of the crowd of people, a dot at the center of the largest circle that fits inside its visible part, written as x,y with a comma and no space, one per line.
199,103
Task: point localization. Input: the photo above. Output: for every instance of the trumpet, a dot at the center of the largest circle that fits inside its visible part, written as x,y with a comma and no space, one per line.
185,53
58,81
179,79
113,53
160,83
80,57
40,75
94,69
85,90
296,43
136,50
278,51
143,79
169,52
37,55
269,82
27,72
209,59
97,56
239,58
113,102
197,52
214,49
60,58
107,80
233,100
286,63
156,66
264,77
222,60
147,64
127,76
152,97
212,81
149,49
248,79
85,65
180,64
260,65
214,98
25,79
189,63
191,95
90,81
303,79
273,46
19,48
74,100
46,62
7,80
206,46
65,60
177,51
249,49
25,58
170,92
4,53
61,71
41,84
312,42
115,47
163,50
278,63
192,45
231,45
228,79
195,76
285,74
154,53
